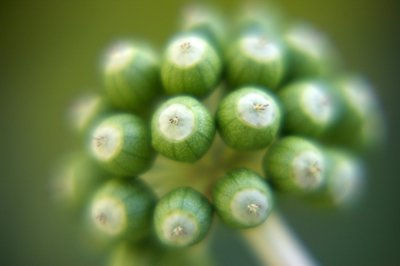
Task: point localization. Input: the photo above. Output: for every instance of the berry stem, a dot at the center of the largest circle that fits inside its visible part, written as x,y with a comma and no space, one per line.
275,244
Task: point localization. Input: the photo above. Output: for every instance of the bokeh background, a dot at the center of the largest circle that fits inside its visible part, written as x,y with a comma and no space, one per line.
49,52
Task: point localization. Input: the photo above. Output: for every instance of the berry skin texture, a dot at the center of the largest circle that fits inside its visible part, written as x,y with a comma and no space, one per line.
361,125
242,198
345,180
121,144
256,58
310,107
205,21
311,53
182,129
296,165
131,75
121,210
248,118
182,217
191,65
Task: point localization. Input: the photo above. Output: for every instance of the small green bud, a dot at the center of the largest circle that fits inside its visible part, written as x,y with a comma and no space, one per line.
361,125
256,58
345,180
294,164
76,178
121,209
121,144
182,129
242,198
85,110
311,107
182,217
131,75
248,119
190,66
205,21
311,53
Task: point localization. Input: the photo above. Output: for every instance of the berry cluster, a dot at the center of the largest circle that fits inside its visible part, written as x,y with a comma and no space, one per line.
266,84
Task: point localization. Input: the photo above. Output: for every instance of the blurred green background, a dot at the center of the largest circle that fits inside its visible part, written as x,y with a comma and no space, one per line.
49,52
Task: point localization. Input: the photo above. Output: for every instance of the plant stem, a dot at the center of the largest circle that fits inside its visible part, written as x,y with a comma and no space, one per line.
275,244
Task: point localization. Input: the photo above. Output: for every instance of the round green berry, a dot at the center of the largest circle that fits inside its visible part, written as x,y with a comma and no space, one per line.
191,66
256,58
361,125
85,110
311,53
76,179
242,198
248,118
131,75
311,107
294,164
345,179
121,143
182,217
206,21
182,129
121,209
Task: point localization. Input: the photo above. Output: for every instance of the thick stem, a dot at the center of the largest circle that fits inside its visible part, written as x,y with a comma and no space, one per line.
275,244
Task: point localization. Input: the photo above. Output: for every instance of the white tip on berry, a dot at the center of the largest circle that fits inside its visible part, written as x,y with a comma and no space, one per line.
186,51
176,122
308,168
257,110
109,216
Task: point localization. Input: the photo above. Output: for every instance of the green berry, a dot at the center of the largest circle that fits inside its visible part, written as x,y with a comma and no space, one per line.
121,209
248,118
182,217
182,129
294,164
121,144
344,180
205,21
191,66
131,75
311,53
85,110
256,58
361,125
311,107
76,179
242,198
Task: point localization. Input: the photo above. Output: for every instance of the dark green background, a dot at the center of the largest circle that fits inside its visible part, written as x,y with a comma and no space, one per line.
50,52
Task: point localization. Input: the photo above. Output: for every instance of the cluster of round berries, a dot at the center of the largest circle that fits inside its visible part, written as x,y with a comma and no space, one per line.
276,85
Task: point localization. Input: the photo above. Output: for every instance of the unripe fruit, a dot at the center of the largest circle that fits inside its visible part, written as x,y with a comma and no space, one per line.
256,58
182,217
182,129
131,75
122,209
191,65
242,198
121,144
311,107
296,165
248,119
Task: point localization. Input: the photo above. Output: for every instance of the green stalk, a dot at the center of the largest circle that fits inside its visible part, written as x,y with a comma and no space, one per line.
275,244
